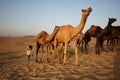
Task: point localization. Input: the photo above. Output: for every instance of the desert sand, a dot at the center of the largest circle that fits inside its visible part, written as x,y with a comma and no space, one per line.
15,66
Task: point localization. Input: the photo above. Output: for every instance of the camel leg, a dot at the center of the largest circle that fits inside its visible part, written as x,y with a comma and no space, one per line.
52,51
82,46
47,48
114,46
65,51
55,49
42,57
108,45
76,52
118,43
86,44
60,54
101,45
97,46
37,50
86,49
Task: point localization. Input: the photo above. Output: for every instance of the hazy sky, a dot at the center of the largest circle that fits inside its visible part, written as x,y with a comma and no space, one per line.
29,17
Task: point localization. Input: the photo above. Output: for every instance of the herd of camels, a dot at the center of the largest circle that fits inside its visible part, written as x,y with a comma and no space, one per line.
65,34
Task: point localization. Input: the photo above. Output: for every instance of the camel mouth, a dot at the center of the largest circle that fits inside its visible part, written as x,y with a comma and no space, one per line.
90,9
115,19
87,10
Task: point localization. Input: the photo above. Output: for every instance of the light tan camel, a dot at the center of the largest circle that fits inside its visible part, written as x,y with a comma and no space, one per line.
44,39
67,32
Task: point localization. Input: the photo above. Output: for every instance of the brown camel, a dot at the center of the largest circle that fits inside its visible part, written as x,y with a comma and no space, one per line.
82,40
93,31
44,39
100,34
40,42
108,33
67,32
112,38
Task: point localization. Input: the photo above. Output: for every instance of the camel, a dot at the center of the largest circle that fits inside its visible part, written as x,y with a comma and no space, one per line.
83,40
80,41
93,31
40,42
108,33
44,39
67,32
100,34
113,37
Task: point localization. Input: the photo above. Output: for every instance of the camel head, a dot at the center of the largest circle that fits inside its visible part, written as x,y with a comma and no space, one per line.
86,11
57,28
93,28
112,20
41,37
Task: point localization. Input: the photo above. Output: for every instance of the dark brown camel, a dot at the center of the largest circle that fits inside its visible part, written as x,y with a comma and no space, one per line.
114,37
106,34
100,34
93,31
81,40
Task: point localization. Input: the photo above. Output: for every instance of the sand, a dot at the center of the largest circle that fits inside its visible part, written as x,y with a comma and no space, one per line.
15,66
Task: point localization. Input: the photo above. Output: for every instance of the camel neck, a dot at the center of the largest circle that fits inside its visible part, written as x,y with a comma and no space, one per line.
80,27
109,24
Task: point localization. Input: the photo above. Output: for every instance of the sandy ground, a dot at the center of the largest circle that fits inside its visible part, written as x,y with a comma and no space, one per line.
15,66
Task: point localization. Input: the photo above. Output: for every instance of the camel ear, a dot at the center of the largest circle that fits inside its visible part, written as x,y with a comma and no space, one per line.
83,10
55,25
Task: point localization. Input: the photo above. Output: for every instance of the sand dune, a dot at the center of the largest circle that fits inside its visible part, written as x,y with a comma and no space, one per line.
15,66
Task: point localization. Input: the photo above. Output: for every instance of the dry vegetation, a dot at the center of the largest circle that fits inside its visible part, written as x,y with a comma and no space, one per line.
14,64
